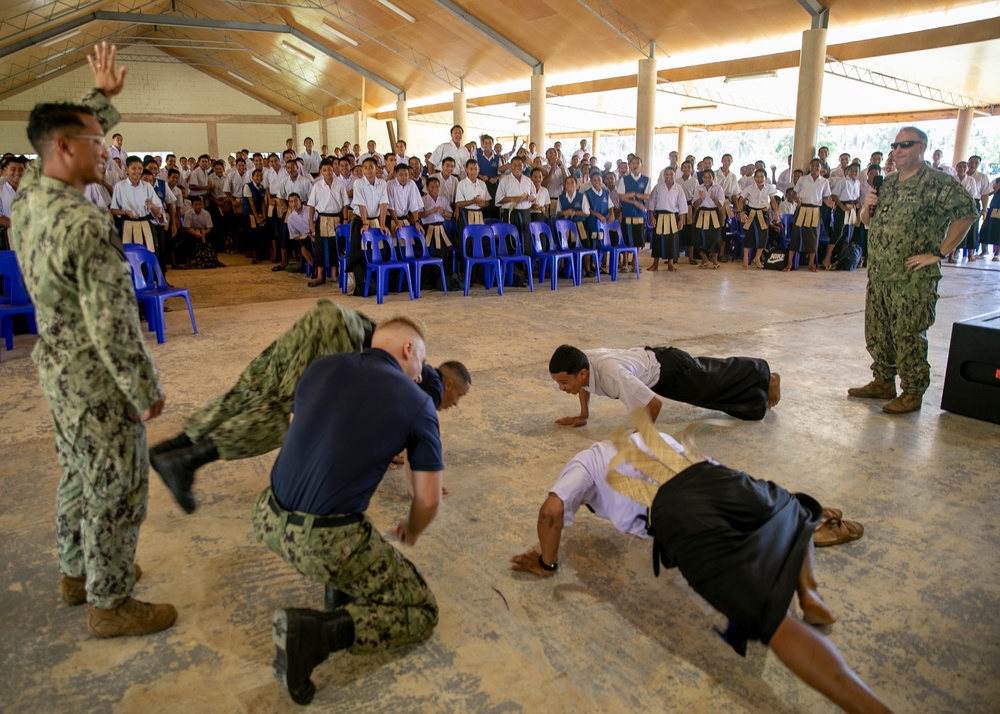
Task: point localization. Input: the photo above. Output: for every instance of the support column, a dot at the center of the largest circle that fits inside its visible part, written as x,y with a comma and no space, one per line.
645,111
807,107
594,137
682,135
402,119
963,130
213,139
322,129
537,116
360,129
459,114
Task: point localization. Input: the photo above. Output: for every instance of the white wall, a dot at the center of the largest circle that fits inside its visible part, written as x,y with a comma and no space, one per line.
265,138
157,89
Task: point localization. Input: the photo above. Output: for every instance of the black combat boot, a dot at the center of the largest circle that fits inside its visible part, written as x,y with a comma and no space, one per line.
181,441
177,468
303,639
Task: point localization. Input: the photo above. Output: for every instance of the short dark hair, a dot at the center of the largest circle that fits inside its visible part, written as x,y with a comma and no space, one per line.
456,371
568,359
47,119
11,159
146,172
199,199
472,161
204,156
218,162
534,170
132,160
402,167
116,135
173,172
369,160
295,195
433,179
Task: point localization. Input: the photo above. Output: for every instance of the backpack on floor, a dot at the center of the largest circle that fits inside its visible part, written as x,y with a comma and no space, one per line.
777,259
850,259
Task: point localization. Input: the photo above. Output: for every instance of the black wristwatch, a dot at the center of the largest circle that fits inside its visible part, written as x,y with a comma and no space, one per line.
937,253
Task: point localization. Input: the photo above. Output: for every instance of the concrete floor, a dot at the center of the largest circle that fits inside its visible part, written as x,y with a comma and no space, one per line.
917,596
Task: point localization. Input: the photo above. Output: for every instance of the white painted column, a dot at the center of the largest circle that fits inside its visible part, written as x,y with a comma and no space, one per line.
812,60
645,113
537,117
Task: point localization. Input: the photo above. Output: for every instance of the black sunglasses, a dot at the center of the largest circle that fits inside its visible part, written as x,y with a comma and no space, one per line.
904,144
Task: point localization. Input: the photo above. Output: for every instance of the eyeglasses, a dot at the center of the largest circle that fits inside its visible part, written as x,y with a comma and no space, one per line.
95,138
903,144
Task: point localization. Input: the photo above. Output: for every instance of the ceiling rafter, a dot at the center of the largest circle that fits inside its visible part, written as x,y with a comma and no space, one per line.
903,86
623,26
295,66
31,20
260,77
25,66
710,95
259,9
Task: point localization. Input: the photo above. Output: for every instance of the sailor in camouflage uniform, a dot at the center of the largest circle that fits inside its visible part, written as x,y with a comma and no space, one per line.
252,417
906,220
93,363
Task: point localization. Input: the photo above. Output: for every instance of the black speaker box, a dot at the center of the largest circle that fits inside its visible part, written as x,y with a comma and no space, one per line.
972,381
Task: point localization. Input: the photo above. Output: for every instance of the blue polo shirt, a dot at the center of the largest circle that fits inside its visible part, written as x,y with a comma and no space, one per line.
353,413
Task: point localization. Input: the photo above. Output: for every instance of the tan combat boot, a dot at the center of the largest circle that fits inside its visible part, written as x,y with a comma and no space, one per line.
903,404
876,389
132,617
74,590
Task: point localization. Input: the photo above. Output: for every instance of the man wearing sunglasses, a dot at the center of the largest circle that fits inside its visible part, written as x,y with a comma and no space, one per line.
917,217
93,364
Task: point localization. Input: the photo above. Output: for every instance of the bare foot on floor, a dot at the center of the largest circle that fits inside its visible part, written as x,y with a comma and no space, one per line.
773,390
814,610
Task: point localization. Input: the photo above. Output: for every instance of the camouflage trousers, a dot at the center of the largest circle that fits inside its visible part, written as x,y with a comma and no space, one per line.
897,315
393,605
252,417
101,499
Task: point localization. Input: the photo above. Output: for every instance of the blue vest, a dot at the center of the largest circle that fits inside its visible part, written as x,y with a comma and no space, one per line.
598,204
160,189
634,186
488,168
576,204
258,197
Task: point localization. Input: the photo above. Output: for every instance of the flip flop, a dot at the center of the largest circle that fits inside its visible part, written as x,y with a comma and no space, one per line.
277,268
836,531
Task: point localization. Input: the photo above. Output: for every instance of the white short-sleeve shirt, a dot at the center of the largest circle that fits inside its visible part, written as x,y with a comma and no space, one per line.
627,375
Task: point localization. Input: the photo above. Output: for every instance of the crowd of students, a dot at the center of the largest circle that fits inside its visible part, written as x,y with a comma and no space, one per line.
286,207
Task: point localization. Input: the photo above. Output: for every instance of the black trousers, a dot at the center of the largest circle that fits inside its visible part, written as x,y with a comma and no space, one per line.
735,385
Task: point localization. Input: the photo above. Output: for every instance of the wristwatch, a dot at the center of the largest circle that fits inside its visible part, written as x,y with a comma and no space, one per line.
937,253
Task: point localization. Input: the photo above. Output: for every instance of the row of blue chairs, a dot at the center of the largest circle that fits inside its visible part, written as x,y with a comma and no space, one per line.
495,246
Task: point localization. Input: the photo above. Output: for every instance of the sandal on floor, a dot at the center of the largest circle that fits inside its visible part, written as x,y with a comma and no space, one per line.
814,269
315,283
828,514
277,268
836,531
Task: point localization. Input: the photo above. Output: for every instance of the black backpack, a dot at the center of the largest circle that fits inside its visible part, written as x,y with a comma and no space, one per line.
850,259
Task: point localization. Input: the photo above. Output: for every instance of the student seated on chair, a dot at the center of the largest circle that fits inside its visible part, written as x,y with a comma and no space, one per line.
300,228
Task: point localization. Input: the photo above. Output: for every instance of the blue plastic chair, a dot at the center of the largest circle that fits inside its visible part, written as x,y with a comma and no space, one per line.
786,229
547,253
343,243
152,291
505,232
565,229
372,243
411,248
479,248
607,248
14,300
